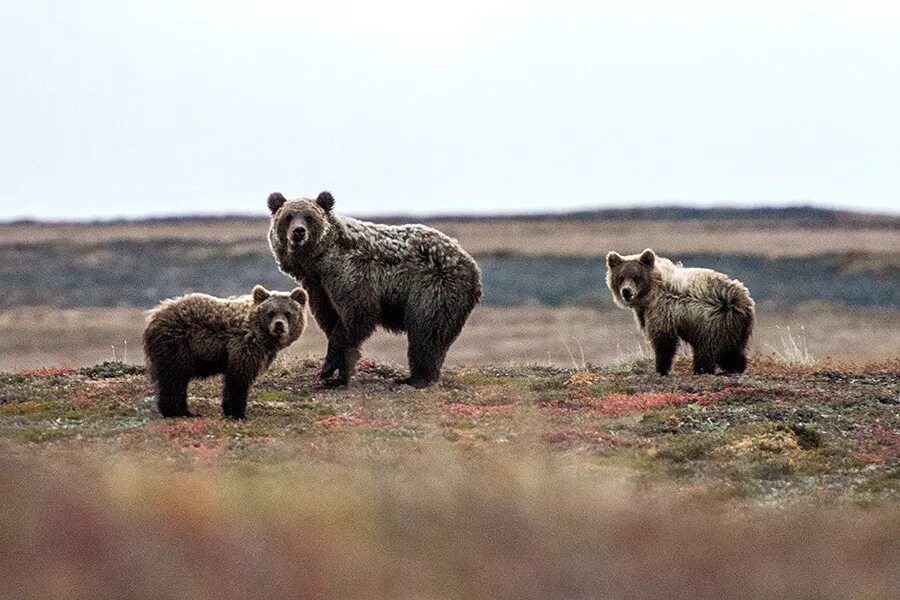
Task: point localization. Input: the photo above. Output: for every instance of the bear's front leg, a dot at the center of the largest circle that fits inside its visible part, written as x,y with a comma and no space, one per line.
234,395
334,358
348,337
664,347
349,358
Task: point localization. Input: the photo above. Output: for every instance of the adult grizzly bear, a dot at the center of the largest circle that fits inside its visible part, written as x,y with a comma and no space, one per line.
706,309
359,275
199,335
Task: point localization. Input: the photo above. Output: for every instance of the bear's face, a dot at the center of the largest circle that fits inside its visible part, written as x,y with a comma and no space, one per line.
629,278
279,317
298,226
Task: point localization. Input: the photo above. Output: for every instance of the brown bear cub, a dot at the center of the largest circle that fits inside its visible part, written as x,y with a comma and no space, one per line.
199,336
706,309
359,275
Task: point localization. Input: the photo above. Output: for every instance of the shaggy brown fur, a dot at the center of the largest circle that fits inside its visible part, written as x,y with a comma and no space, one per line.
199,335
359,275
706,309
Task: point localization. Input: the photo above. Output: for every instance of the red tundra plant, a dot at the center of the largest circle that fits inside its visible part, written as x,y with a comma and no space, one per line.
882,446
339,420
583,401
85,400
619,404
206,448
47,371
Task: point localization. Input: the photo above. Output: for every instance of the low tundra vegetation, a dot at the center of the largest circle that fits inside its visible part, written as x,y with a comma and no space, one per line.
499,482
805,433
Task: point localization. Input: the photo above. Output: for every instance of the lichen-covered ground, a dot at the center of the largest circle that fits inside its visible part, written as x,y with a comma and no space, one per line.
777,435
498,483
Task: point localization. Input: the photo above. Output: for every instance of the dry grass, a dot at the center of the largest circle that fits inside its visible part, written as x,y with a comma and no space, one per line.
553,236
41,337
794,349
437,529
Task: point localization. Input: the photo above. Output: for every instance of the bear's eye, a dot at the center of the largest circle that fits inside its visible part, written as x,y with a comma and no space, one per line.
288,218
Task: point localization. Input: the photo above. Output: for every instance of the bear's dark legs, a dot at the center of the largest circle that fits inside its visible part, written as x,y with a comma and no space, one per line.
351,356
664,347
171,397
329,322
234,395
704,361
346,368
426,357
346,343
429,339
334,358
733,361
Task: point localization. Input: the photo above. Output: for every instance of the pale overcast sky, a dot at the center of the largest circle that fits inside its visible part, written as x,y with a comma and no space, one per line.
114,109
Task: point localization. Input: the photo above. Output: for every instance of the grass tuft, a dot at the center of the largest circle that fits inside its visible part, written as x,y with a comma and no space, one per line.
110,369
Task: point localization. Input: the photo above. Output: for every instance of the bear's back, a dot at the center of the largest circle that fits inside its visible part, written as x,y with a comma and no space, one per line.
200,320
390,241
689,282
411,247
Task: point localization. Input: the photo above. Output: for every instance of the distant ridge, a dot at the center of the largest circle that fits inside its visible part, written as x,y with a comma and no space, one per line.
801,216
810,214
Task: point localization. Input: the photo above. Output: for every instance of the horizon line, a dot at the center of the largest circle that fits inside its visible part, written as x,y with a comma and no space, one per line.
580,213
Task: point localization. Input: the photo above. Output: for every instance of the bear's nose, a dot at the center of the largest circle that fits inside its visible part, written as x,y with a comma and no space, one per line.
626,293
299,234
278,327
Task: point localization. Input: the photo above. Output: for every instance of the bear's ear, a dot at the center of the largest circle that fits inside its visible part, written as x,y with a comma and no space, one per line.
326,201
648,258
276,201
260,294
613,259
300,296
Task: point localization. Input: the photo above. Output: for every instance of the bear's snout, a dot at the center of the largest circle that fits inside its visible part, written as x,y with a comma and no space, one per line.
298,234
279,328
627,294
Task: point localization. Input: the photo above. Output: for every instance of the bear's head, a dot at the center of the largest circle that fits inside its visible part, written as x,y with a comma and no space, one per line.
299,226
278,317
630,277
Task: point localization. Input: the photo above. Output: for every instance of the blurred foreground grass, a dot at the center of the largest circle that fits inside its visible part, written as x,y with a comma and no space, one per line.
436,528
498,483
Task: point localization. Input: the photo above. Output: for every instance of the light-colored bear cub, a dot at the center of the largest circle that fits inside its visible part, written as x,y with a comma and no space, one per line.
713,313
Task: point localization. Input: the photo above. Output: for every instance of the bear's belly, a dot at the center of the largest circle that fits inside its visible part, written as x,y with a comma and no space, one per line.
393,315
207,368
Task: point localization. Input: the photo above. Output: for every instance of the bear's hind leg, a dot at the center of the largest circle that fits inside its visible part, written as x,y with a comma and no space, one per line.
733,361
704,360
425,362
426,353
430,333
171,398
